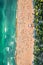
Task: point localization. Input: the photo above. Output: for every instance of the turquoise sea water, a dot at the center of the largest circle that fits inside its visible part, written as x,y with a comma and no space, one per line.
7,31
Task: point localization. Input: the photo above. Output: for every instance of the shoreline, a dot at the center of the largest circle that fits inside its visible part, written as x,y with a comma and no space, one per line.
25,40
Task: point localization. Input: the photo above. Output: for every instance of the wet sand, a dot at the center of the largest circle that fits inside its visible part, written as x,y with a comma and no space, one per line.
25,40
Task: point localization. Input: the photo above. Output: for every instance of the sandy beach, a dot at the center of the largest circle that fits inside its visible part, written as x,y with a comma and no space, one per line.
25,27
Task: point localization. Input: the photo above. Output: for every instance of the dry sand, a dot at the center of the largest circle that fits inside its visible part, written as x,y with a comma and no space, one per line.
25,40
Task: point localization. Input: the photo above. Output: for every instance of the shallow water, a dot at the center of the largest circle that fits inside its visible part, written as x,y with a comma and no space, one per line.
8,31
